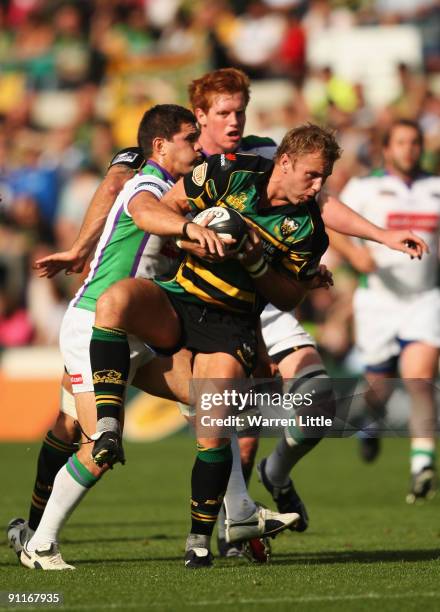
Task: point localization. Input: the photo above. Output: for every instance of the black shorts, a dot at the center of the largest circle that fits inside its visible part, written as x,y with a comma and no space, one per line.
213,330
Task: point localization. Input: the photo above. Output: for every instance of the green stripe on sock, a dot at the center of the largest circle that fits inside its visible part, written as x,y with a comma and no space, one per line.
110,334
296,434
57,446
80,473
421,451
216,455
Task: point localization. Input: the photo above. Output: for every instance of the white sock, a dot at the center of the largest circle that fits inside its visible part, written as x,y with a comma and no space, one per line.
238,504
66,494
422,454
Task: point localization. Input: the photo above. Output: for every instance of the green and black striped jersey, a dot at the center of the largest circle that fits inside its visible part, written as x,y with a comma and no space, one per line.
293,236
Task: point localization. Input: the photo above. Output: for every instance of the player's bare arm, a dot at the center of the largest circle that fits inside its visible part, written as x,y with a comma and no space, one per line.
283,292
358,255
166,219
341,218
74,260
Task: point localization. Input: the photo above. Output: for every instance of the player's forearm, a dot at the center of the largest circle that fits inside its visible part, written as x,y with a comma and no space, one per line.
159,218
341,218
97,212
285,294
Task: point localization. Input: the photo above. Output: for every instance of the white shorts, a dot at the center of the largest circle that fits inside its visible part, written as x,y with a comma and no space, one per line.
75,336
281,331
381,320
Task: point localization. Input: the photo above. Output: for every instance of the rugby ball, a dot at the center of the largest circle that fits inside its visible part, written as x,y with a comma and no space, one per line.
227,223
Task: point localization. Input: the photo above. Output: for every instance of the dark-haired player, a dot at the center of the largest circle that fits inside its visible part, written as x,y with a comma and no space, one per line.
168,137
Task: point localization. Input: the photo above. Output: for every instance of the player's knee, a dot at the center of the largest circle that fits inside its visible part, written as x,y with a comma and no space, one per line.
111,307
213,443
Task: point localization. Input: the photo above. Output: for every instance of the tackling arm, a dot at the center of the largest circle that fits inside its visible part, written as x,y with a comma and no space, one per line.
167,218
75,258
341,218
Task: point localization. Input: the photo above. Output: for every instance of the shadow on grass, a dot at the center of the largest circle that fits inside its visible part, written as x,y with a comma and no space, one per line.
356,556
145,539
107,561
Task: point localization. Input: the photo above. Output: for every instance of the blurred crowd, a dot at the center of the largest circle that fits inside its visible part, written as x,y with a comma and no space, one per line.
76,77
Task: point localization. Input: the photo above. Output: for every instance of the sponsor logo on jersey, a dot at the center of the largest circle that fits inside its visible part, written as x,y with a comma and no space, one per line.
124,157
269,249
225,162
288,226
237,200
76,379
413,221
150,184
199,174
108,376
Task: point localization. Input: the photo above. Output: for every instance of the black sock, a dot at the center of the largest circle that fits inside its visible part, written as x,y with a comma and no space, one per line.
209,481
110,362
53,455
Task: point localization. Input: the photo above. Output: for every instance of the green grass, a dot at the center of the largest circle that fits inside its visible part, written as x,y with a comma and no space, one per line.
365,548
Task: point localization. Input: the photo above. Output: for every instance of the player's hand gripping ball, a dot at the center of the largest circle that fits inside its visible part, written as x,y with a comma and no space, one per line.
227,223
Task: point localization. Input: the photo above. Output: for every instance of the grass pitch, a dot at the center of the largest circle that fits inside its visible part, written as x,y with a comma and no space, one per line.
365,549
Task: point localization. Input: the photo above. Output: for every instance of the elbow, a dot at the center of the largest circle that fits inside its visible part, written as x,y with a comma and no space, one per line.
112,185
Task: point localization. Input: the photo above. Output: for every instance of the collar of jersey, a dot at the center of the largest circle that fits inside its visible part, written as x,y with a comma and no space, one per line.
165,174
379,172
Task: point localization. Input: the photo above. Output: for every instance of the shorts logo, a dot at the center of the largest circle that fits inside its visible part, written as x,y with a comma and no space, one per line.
288,226
76,379
246,354
108,376
199,174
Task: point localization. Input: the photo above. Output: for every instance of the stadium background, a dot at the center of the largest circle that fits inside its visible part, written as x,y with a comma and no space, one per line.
75,79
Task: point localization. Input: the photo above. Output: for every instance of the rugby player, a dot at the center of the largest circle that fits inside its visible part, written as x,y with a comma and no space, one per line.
219,100
168,136
397,304
212,307
122,251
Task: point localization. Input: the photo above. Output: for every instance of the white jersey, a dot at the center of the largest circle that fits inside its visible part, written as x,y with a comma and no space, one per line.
389,202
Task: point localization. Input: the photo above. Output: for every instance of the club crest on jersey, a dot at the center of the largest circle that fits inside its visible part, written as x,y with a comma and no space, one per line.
237,200
199,174
288,226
